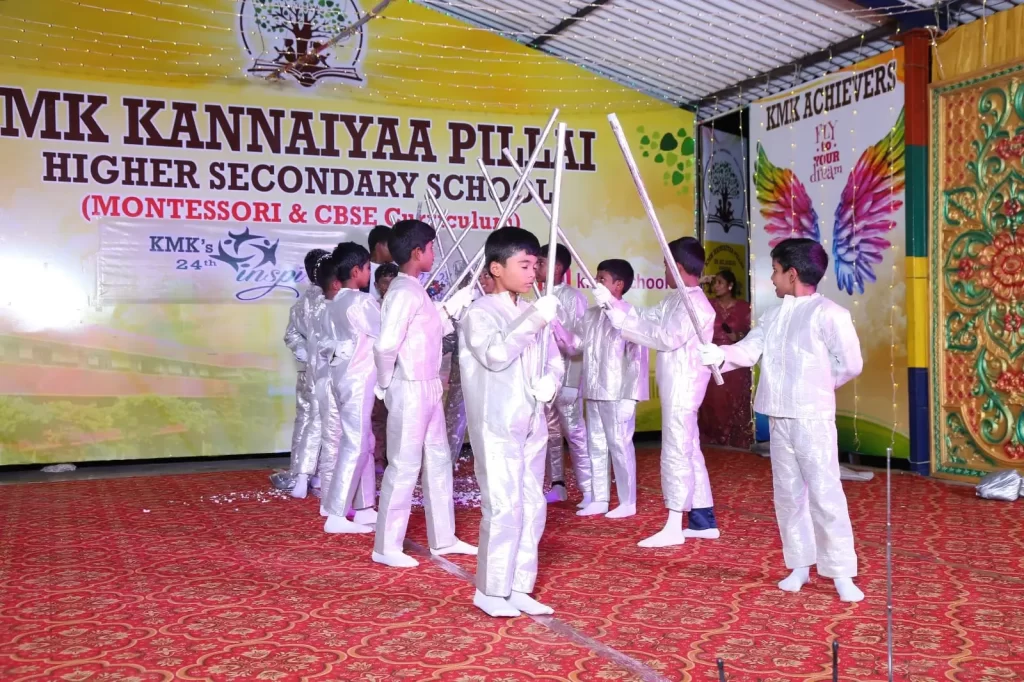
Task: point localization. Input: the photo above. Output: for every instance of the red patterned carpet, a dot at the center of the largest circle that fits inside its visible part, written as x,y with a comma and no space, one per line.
212,577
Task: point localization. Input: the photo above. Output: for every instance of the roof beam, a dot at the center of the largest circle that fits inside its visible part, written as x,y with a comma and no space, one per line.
582,12
881,32
930,16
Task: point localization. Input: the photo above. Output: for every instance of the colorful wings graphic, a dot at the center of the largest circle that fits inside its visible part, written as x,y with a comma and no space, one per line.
862,218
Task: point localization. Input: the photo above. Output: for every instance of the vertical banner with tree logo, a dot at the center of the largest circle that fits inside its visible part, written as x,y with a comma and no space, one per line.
724,204
827,163
158,199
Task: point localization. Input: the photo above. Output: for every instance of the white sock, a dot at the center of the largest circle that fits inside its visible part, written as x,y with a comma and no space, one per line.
395,560
847,590
593,509
367,517
314,482
529,605
587,500
797,579
670,535
622,511
459,547
496,607
339,524
301,487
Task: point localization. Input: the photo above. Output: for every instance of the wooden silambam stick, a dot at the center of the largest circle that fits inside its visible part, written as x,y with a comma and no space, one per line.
443,218
476,266
497,202
556,200
532,189
645,199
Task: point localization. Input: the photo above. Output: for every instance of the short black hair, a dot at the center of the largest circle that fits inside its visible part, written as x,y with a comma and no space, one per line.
346,256
689,254
806,256
326,271
407,236
311,260
620,270
385,270
379,233
562,255
731,280
508,241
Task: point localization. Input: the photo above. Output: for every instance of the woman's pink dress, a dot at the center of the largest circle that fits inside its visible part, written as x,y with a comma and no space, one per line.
724,417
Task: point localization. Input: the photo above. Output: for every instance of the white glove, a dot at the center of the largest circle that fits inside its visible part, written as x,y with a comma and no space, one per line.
603,297
379,391
615,316
544,389
547,307
458,301
711,355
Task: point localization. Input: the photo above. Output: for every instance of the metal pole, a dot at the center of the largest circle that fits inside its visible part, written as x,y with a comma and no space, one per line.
721,670
497,202
835,660
645,199
510,206
444,261
443,217
438,241
549,280
888,555
532,189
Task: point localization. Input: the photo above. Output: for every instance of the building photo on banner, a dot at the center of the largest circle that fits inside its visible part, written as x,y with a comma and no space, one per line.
154,223
827,163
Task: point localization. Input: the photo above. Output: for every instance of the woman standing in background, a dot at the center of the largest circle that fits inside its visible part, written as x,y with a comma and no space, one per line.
724,417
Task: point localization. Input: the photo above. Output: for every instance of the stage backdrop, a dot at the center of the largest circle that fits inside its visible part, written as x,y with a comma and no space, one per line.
157,194
827,162
977,194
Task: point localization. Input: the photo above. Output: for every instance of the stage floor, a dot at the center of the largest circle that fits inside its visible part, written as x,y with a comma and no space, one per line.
215,577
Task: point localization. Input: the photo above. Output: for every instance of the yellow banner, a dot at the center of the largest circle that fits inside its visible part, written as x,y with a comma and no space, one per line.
149,165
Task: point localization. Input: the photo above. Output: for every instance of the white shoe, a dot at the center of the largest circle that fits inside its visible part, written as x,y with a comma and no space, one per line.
496,607
396,560
664,538
623,511
459,547
593,509
528,605
367,517
587,499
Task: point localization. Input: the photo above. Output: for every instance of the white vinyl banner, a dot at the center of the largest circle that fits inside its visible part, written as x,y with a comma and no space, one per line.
156,261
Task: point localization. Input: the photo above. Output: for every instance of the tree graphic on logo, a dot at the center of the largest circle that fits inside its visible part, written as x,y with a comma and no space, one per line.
724,185
301,27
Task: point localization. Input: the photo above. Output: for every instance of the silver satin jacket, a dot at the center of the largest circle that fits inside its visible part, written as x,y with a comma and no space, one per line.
808,348
570,314
613,368
315,332
666,328
499,356
299,318
412,329
352,326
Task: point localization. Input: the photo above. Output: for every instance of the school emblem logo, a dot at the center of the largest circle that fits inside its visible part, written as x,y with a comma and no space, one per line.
284,37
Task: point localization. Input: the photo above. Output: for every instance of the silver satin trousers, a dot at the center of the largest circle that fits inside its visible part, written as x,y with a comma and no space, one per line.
353,483
684,476
513,508
416,440
810,504
309,447
455,419
610,427
565,418
330,432
302,417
